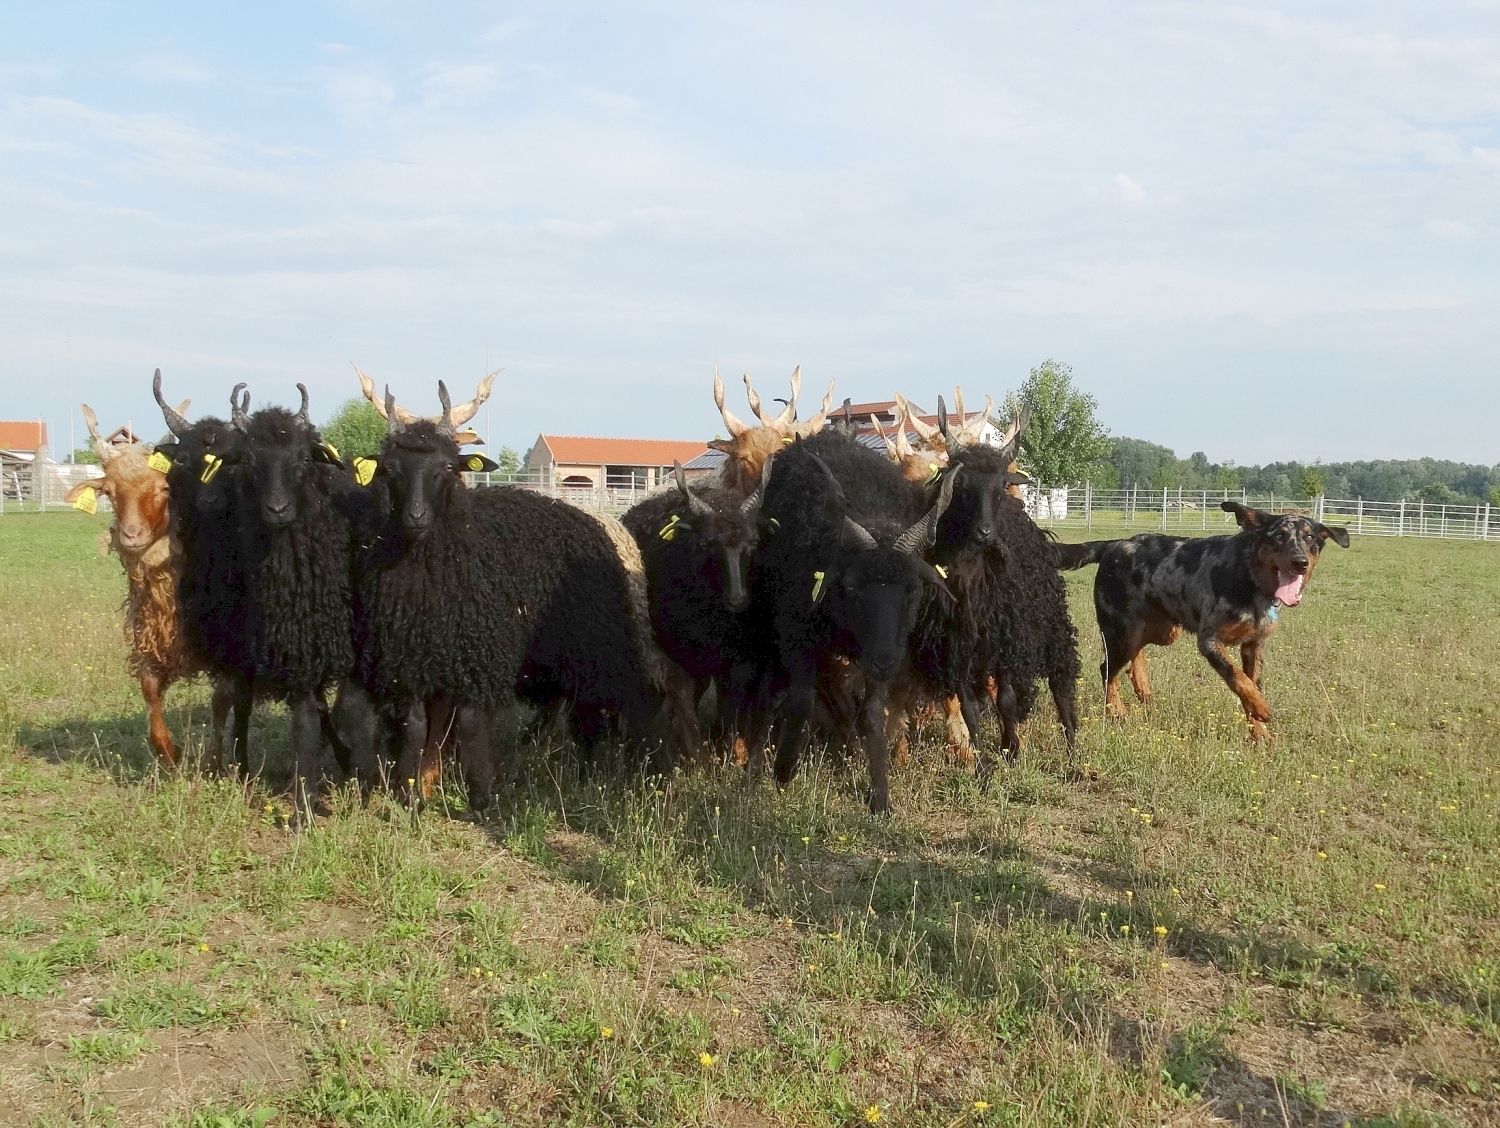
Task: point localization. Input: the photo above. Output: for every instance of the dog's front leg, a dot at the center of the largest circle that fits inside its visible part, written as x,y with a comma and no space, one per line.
1246,690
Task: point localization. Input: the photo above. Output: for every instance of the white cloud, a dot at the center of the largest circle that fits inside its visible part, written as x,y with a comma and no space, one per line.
1449,229
360,95
1133,192
459,81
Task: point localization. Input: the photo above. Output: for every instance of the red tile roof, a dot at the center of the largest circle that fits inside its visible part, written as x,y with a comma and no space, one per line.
620,452
22,436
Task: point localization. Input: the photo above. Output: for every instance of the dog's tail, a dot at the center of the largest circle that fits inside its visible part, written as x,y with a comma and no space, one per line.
1070,557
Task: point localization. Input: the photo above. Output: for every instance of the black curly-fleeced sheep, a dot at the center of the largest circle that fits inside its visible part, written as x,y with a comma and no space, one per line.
218,589
697,543
842,577
471,598
271,595
1010,618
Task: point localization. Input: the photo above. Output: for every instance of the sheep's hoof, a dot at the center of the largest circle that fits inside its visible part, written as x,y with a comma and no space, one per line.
880,802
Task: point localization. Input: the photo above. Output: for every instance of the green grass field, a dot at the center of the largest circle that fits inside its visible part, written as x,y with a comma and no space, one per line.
1201,930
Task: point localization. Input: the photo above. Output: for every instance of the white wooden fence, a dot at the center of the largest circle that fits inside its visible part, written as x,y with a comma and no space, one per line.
1140,510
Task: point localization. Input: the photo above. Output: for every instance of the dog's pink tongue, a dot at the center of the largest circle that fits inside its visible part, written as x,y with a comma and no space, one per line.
1289,588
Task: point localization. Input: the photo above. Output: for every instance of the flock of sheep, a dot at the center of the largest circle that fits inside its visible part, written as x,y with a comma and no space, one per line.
813,582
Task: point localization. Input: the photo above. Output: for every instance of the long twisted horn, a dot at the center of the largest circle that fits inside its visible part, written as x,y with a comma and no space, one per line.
754,398
696,505
175,422
393,422
302,411
857,535
445,425
470,408
916,539
736,428
890,445
815,424
788,416
101,448
368,385
239,415
925,431
751,505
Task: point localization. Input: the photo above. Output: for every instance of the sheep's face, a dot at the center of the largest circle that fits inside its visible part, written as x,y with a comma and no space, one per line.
733,535
138,495
197,477
971,518
279,451
876,598
421,467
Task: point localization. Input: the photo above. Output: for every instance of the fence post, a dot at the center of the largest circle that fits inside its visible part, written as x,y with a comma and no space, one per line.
1401,519
1088,505
1164,507
1359,508
1485,535
1321,499
1204,504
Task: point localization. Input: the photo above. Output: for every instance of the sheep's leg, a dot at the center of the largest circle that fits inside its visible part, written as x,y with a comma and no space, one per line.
307,738
795,713
476,724
223,702
357,725
877,751
442,714
682,712
244,702
1010,727
160,737
960,736
1065,697
413,740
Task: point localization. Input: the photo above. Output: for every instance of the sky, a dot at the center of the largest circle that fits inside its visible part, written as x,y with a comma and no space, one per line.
1264,232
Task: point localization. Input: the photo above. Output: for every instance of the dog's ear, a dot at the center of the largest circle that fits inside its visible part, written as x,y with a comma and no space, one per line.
1246,517
1339,536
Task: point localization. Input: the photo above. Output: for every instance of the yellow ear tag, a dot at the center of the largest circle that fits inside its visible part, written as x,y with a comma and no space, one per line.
817,586
940,570
159,462
364,470
211,464
935,469
475,463
787,439
669,530
87,501
775,524
333,450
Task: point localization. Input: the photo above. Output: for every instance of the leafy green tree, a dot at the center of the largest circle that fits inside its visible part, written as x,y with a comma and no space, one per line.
1226,478
1495,495
85,456
355,429
1064,439
509,460
1310,483
1437,494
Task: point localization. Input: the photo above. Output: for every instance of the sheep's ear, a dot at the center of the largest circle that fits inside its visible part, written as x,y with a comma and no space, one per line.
1339,536
724,446
478,464
167,449
98,485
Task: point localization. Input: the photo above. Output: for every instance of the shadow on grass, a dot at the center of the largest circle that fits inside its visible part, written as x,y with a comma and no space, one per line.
914,913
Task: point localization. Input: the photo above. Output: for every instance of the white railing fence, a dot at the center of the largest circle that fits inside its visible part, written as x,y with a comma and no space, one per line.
1138,510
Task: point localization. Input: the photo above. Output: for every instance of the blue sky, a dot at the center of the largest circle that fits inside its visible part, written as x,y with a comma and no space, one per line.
1262,232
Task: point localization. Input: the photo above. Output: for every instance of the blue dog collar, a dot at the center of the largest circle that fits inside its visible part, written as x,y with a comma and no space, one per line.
1275,610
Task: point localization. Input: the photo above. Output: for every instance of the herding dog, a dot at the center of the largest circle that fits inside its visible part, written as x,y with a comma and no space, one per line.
1227,590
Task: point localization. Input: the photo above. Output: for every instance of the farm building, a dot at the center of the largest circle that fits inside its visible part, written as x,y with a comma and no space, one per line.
616,464
23,447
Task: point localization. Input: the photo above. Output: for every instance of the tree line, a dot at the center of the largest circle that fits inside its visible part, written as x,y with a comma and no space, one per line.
1066,443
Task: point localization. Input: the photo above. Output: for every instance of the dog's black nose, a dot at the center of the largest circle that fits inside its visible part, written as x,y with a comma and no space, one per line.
1299,563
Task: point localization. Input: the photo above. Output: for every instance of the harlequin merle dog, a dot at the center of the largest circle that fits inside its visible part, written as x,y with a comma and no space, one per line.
1228,591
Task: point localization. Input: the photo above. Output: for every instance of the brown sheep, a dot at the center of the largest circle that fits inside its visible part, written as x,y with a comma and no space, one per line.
140,536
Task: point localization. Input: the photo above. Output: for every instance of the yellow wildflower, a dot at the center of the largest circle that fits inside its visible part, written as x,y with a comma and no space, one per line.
707,1060
1161,930
981,1106
872,1114
606,1031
